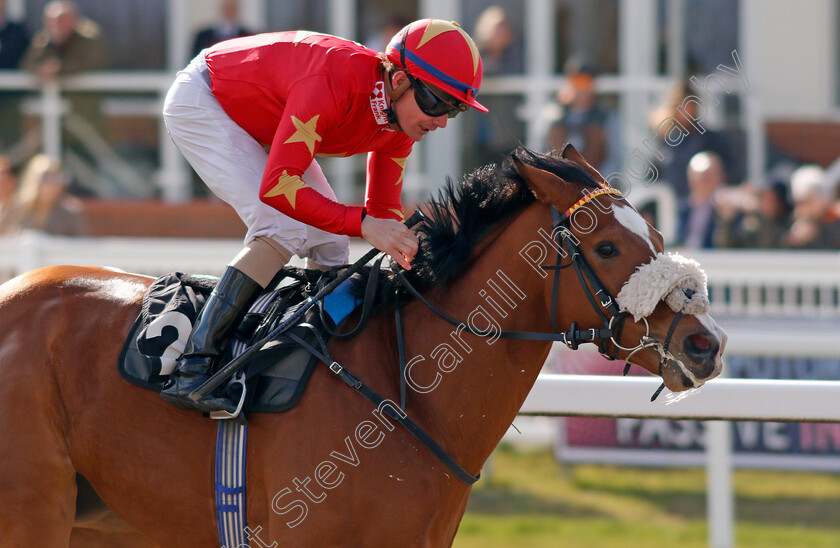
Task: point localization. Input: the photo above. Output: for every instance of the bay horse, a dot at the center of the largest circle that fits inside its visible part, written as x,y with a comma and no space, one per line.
87,459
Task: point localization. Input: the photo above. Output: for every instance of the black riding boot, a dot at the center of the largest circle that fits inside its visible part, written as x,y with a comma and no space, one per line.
224,306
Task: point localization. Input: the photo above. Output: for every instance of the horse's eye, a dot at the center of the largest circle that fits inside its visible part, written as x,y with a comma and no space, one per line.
607,249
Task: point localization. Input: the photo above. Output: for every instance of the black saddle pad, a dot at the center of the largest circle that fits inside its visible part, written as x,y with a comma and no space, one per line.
277,375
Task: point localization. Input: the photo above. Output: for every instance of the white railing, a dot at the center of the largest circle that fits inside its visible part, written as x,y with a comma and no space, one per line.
719,399
50,107
743,283
152,256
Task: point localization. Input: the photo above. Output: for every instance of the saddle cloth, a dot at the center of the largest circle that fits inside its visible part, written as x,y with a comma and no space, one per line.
276,375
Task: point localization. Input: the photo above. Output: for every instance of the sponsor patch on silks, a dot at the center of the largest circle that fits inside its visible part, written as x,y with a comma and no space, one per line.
378,104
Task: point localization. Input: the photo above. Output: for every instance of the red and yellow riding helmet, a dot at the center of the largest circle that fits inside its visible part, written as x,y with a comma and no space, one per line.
441,54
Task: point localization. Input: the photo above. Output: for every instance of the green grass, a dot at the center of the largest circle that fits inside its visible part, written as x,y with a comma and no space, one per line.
531,501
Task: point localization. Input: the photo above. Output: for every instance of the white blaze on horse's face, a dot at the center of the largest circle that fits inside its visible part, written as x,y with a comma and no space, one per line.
630,219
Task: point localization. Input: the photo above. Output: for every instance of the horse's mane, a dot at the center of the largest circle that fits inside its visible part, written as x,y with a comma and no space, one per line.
461,214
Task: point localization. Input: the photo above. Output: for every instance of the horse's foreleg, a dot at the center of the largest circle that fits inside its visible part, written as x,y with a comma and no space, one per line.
39,492
37,480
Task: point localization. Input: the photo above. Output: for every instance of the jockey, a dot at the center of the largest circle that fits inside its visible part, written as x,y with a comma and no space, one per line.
251,114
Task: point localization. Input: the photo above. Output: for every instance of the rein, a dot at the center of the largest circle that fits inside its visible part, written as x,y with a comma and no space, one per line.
596,293
381,403
588,280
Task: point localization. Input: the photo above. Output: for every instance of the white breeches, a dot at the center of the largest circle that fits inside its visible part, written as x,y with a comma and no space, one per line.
231,163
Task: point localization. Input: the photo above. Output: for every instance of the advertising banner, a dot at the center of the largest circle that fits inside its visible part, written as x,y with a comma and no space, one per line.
663,442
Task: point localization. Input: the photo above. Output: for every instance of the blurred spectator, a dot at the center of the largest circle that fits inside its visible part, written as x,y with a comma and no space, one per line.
501,51
13,40
68,43
225,28
500,47
42,203
8,186
815,221
580,121
698,212
673,168
753,217
649,214
13,43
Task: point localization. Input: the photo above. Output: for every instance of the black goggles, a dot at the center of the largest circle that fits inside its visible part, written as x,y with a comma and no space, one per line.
430,103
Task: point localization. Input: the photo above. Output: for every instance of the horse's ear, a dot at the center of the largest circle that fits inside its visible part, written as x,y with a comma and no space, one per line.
546,186
571,153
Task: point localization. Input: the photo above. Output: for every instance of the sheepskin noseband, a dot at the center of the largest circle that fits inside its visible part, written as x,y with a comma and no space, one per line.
677,280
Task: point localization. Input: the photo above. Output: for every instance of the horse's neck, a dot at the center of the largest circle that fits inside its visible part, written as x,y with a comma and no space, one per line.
471,387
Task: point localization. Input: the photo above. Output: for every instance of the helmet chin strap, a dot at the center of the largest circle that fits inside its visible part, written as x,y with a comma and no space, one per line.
393,95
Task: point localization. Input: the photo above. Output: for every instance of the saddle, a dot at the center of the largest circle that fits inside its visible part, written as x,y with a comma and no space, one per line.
276,376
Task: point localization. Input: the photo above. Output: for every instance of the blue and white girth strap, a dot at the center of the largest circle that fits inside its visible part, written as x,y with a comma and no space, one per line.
230,465
230,483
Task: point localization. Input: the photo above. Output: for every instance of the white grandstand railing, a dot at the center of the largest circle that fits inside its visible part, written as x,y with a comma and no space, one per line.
776,283
151,256
743,283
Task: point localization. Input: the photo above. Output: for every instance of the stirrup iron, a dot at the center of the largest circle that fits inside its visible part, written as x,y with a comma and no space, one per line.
221,414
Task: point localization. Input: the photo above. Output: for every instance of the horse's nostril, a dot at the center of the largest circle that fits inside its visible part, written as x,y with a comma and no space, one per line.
700,342
700,347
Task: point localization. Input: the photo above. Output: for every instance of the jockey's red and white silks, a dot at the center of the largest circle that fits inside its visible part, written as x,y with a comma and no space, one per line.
305,95
232,163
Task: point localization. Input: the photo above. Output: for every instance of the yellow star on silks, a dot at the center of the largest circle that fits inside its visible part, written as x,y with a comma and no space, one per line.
305,133
438,26
400,162
287,185
398,212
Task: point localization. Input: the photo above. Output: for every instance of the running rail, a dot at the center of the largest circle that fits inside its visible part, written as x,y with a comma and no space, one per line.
719,399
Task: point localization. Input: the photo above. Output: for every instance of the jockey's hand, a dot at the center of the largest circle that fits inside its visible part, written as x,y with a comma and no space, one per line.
392,237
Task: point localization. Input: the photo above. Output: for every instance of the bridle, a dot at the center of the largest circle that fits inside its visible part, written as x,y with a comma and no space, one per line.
599,297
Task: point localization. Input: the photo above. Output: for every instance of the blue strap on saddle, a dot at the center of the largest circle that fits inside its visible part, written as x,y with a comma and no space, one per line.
341,302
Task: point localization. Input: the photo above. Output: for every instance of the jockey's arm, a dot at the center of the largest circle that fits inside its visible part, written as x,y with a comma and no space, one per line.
297,140
309,115
383,227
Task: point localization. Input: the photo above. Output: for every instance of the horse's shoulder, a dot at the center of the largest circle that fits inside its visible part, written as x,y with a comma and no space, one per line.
64,280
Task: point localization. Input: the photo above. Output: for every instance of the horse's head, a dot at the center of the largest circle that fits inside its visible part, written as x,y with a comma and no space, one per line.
655,304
